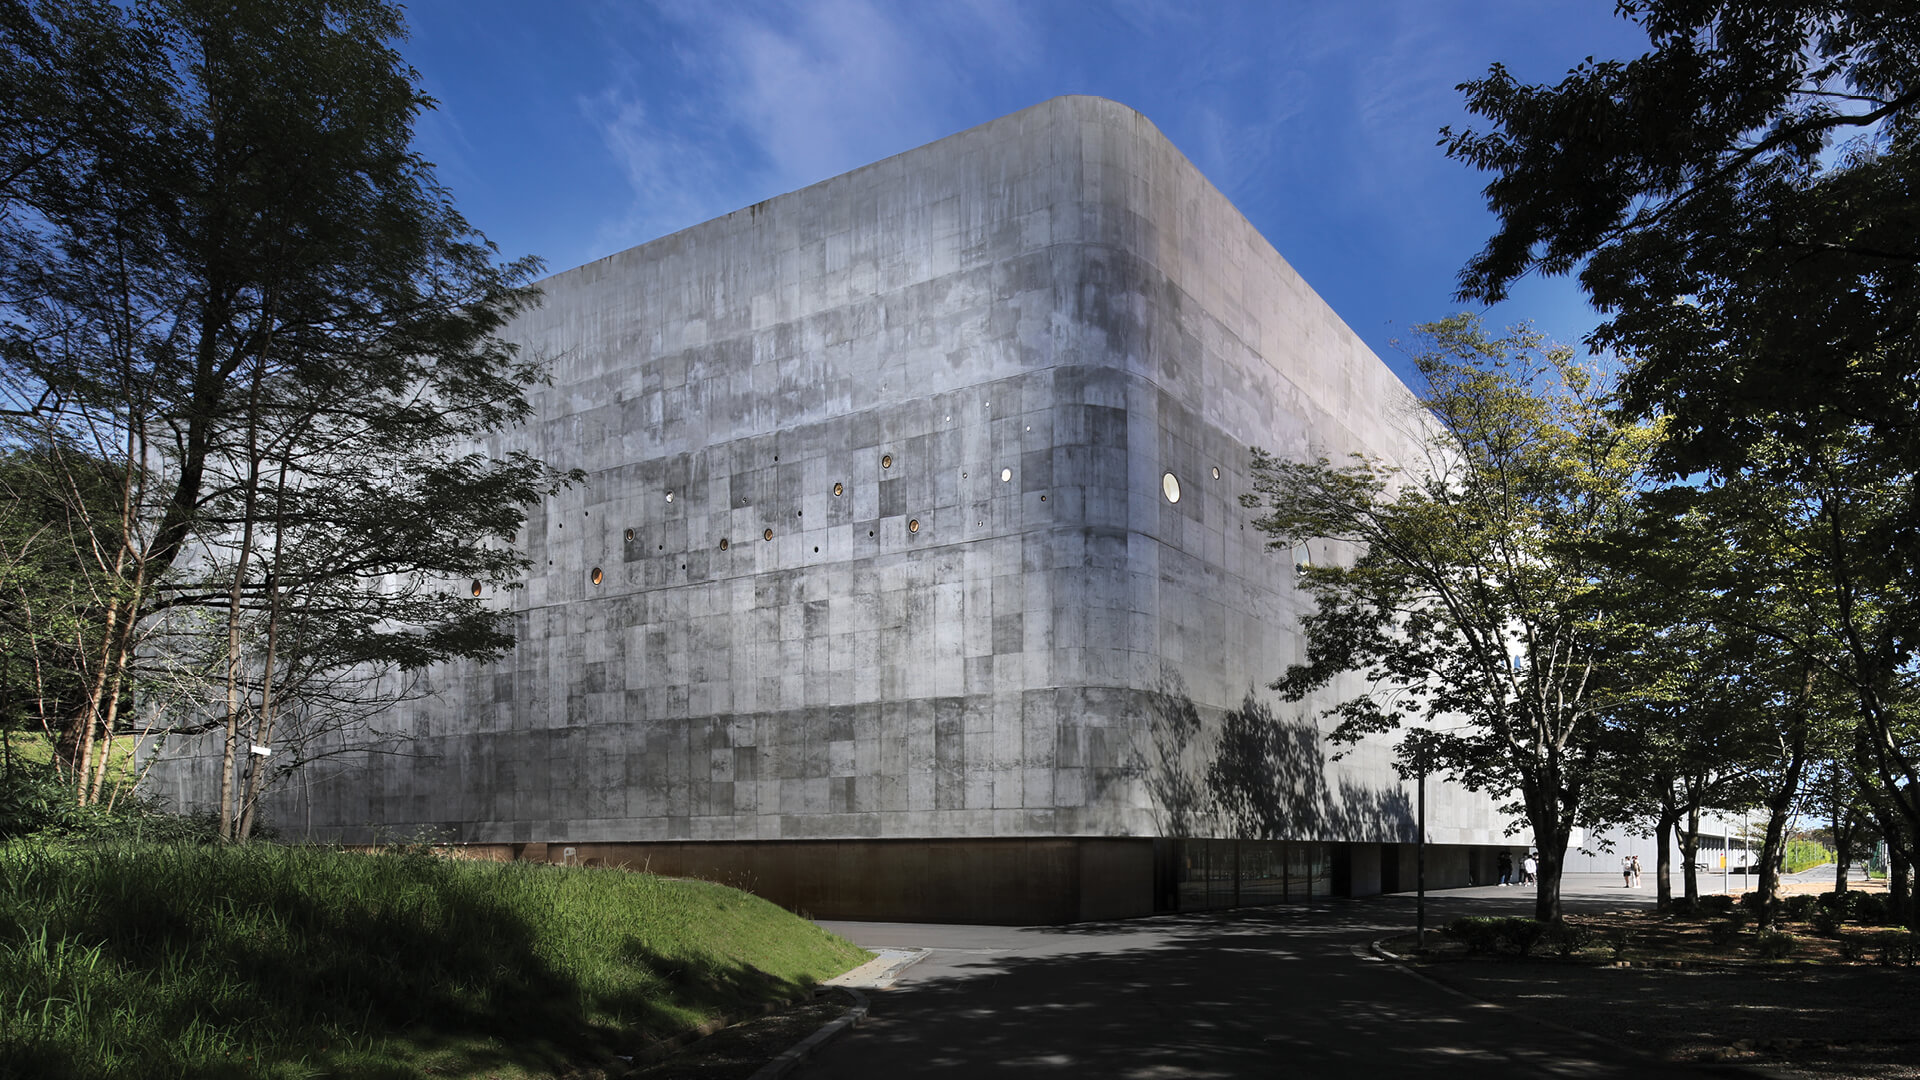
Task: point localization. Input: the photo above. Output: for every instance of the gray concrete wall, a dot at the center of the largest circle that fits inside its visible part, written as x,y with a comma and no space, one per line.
949,386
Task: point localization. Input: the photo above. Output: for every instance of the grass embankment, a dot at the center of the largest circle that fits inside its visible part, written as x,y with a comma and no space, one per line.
133,961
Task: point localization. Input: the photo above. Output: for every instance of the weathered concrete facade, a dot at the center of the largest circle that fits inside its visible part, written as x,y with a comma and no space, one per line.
880,540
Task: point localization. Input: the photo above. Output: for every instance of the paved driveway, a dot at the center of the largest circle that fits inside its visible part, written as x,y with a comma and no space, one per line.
1269,992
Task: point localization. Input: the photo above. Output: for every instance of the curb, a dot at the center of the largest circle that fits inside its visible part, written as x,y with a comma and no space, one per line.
790,1058
1758,1072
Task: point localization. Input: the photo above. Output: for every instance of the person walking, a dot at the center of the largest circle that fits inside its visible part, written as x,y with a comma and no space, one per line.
1626,872
1527,867
1636,871
1506,868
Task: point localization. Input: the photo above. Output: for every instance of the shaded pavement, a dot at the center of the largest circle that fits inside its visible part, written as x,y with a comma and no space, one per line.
1258,992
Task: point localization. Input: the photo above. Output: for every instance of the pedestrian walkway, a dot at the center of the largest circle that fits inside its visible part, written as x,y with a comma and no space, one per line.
1252,993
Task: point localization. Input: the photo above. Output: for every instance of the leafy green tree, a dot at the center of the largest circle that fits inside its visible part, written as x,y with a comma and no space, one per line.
1469,605
224,270
1740,202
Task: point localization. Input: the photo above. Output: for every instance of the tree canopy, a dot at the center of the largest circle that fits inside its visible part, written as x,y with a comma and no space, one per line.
226,273
1469,603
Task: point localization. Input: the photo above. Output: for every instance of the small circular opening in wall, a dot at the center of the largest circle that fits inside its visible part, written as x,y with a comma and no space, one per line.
914,525
963,476
838,490
723,543
1170,487
476,586
869,532
1043,498
816,551
1216,472
669,496
1006,475
799,513
767,535
596,575
629,536
886,461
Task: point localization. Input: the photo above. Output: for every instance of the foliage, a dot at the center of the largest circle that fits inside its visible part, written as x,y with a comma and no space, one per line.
1775,944
1740,202
1738,199
36,799
1897,946
1493,934
230,286
1805,854
136,961
1469,606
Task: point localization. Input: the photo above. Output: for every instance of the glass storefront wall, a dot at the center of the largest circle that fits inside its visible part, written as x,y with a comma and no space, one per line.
1238,873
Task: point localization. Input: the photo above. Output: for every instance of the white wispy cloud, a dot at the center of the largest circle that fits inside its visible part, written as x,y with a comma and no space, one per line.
757,100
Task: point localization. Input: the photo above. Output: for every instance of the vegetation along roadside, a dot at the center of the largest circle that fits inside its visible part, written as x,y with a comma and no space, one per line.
148,960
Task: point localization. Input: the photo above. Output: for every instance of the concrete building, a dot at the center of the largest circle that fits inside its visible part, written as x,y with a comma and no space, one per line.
910,579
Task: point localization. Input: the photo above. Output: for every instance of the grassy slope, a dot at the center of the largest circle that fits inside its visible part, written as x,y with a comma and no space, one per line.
137,961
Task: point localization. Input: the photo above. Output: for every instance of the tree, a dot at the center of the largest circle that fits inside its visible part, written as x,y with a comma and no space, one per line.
1740,202
1469,605
225,272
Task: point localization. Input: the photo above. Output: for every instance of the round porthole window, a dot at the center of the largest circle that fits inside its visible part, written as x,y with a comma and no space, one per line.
629,536
837,490
596,575
1216,472
723,543
476,586
913,526
1170,487
1006,475
669,496
886,461
767,535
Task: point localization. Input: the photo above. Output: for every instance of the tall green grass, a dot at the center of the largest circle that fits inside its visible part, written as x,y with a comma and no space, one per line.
145,960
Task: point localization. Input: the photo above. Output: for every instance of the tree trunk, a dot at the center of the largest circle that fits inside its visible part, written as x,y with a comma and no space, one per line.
1690,854
1843,829
255,785
231,744
1663,829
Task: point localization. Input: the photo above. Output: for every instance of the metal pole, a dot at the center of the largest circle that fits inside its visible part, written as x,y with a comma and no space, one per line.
1420,871
1746,852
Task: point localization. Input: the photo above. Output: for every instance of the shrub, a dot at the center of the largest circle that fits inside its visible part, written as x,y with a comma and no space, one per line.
1569,938
1716,904
1869,909
1801,907
1724,934
1825,920
1894,946
1504,934
1775,945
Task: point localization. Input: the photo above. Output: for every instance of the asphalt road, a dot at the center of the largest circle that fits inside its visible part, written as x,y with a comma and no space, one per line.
1287,991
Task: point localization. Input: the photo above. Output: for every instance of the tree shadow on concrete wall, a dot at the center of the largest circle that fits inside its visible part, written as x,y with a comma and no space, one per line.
1258,777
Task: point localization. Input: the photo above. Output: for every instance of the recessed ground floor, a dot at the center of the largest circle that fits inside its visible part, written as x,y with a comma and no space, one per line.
1046,880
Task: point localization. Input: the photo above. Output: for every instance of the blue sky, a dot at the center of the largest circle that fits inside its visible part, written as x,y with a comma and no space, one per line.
576,128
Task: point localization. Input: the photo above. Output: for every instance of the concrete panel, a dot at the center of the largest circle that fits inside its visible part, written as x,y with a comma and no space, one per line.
878,482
